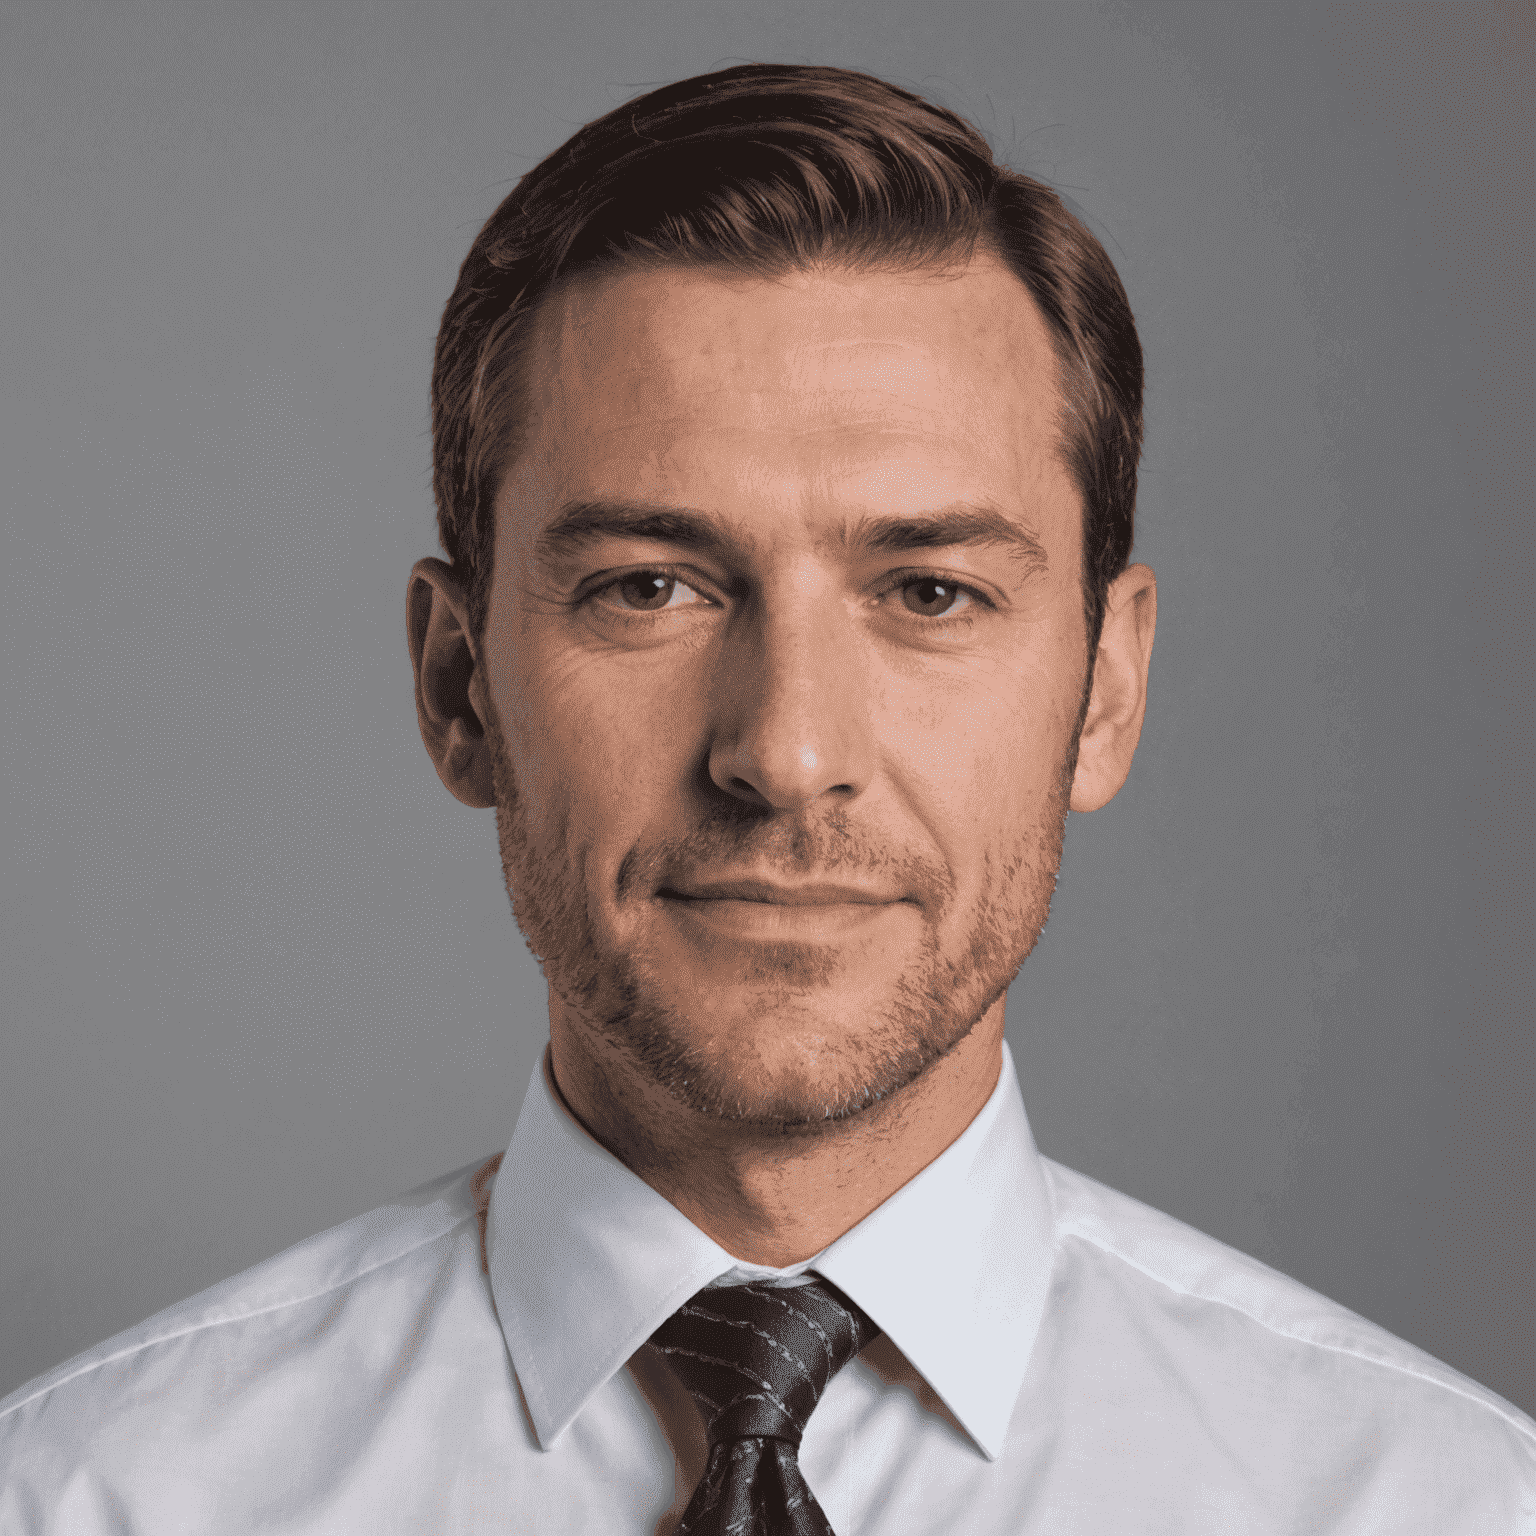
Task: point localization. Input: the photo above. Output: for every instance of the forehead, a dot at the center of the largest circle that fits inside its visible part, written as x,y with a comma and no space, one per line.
813,390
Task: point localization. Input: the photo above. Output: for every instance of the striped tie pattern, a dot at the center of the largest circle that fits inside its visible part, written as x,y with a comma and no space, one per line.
756,1359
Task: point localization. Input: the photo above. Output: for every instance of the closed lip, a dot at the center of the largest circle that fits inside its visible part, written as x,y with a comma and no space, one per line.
820,895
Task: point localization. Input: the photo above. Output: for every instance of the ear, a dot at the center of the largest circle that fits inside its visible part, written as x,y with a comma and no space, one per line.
1118,701
445,659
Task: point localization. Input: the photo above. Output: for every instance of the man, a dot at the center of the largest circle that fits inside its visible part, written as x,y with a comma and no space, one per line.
785,459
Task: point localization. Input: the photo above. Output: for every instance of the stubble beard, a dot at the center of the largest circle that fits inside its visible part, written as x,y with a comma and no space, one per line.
934,1004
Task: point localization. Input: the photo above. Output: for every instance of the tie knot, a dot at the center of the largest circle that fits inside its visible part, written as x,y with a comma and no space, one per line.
756,1358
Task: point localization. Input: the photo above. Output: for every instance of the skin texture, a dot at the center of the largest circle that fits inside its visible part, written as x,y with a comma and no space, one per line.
778,701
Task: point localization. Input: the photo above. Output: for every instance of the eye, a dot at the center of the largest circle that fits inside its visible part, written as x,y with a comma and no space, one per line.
649,591
932,596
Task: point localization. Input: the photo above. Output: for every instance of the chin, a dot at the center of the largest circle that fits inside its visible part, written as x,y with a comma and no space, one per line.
785,1063
789,1034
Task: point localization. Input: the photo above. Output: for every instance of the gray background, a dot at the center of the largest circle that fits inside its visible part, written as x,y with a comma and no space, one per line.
259,971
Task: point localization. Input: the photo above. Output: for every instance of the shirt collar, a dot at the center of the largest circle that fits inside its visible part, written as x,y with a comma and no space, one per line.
587,1260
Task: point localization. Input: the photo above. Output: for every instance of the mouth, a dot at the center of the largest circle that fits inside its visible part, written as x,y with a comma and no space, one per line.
763,910
770,894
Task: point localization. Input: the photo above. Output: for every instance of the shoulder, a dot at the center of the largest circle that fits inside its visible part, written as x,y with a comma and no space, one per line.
1281,1364
236,1350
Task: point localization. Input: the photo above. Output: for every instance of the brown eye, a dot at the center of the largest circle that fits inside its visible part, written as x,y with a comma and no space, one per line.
645,590
930,597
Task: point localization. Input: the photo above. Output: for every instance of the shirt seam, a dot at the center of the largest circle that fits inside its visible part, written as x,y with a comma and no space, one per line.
243,1317
1299,1338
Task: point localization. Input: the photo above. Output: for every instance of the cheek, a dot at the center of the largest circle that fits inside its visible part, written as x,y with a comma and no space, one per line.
980,765
594,746
986,746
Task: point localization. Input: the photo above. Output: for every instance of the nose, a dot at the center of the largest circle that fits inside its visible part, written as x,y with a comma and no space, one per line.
791,717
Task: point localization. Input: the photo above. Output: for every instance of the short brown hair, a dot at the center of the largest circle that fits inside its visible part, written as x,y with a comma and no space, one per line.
764,168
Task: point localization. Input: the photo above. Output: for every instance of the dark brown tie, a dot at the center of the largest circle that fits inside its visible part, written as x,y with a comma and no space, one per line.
756,1359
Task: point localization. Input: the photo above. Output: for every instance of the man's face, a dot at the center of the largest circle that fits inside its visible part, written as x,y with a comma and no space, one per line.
787,649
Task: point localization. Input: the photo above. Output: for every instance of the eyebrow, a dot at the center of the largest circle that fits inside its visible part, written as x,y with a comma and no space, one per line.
948,528
579,523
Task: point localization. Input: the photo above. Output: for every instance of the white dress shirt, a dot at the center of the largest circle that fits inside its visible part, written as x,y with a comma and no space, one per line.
1056,1358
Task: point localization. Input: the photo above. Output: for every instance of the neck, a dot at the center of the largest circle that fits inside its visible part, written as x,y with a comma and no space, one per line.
771,1197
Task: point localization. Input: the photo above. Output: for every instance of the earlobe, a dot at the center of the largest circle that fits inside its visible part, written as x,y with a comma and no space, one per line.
445,661
1118,701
